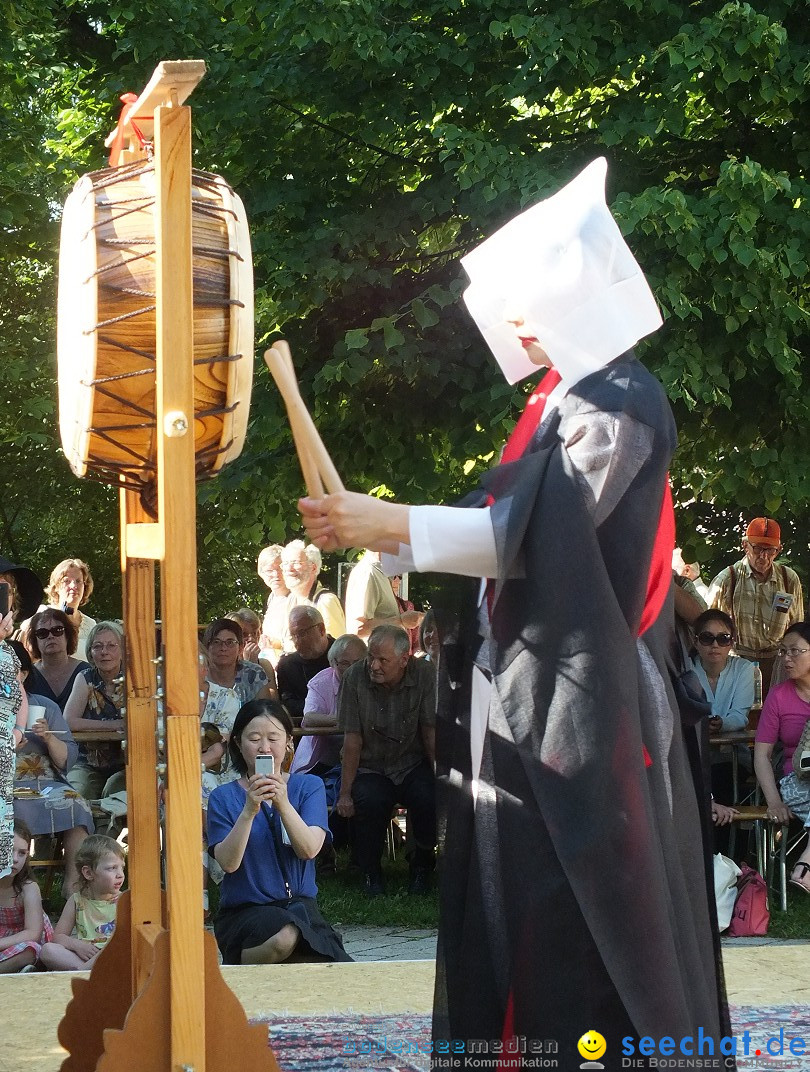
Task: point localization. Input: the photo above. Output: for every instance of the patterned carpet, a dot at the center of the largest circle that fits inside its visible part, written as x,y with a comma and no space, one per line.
347,1043
335,1043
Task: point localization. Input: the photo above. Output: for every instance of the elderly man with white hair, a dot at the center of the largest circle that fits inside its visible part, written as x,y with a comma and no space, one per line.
300,566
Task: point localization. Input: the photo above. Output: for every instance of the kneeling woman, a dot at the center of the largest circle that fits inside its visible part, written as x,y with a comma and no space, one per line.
265,832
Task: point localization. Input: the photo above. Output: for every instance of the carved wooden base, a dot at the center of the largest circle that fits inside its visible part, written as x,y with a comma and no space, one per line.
104,1030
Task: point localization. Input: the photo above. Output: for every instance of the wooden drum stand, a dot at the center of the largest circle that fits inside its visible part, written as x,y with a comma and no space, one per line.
155,1000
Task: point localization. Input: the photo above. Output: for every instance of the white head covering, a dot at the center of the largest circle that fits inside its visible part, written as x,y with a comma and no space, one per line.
564,267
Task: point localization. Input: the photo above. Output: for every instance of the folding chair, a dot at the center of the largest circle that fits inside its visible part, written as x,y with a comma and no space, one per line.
773,846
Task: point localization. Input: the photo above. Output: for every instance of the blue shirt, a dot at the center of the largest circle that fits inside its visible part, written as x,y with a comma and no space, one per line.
734,696
259,878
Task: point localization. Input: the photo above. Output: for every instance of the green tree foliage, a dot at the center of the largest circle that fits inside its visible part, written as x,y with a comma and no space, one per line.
374,143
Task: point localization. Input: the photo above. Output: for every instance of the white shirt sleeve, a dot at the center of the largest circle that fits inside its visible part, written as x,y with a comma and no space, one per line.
450,539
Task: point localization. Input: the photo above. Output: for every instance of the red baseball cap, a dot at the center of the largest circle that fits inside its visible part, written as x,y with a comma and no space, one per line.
764,530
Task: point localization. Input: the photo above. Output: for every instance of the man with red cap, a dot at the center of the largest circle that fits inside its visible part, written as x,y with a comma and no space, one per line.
763,597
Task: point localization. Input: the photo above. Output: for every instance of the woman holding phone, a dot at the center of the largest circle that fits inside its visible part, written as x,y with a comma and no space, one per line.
265,830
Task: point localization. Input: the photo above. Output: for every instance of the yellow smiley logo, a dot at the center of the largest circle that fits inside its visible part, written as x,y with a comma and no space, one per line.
592,1046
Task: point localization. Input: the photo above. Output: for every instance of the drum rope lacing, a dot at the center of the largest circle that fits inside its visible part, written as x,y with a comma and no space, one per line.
126,472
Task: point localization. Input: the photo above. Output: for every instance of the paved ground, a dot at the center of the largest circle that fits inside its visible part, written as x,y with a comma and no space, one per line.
400,943
389,943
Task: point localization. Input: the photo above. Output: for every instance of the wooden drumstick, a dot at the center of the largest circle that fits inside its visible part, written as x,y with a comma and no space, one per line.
280,370
312,454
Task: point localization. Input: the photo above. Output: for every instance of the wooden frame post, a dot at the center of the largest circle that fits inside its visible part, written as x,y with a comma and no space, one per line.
177,512
138,576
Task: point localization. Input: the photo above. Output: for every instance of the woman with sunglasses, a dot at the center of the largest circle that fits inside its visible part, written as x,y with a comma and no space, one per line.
51,637
727,680
728,683
98,697
784,715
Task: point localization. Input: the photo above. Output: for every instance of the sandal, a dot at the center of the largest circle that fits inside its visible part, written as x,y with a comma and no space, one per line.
805,870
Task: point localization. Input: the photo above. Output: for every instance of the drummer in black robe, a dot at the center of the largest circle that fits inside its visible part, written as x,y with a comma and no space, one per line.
574,892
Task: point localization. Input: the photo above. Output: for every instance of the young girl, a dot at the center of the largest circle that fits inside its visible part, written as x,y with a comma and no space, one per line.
88,918
23,924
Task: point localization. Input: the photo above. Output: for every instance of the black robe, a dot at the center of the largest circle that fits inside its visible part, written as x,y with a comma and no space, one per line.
574,895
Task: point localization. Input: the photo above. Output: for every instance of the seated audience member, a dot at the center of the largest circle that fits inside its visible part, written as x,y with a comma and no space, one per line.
88,919
265,831
96,703
690,571
300,566
25,589
69,588
44,800
727,680
51,639
429,637
231,681
410,617
24,927
728,685
387,711
251,651
295,670
321,755
274,624
214,746
784,716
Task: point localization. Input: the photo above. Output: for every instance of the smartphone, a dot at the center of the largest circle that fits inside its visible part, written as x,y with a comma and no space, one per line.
5,598
265,765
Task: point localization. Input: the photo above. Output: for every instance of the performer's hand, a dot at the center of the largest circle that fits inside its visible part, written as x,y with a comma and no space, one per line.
350,519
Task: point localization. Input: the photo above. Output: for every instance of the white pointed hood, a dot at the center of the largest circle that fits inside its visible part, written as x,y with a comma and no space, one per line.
565,268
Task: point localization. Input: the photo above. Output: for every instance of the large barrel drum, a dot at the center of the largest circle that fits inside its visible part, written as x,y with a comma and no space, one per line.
107,326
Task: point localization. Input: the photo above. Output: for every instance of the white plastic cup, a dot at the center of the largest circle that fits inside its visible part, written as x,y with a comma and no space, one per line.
35,713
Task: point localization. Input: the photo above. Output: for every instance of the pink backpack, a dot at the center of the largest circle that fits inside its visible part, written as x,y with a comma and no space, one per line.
751,915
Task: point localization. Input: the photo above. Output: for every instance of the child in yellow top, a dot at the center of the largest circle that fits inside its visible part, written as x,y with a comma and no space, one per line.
88,918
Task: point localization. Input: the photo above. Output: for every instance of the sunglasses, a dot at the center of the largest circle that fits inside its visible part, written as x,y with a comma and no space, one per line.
722,640
55,630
